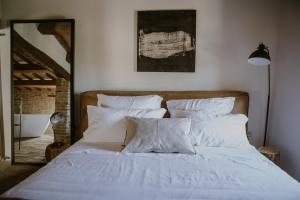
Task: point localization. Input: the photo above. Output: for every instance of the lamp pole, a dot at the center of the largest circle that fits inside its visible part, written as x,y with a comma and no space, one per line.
261,57
268,105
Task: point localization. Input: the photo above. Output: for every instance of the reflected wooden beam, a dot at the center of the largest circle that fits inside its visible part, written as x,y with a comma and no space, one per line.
17,77
38,57
28,67
61,31
34,83
29,71
20,59
50,76
26,76
50,87
38,76
19,69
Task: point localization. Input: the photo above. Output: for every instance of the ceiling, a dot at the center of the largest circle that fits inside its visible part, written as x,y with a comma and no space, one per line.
33,69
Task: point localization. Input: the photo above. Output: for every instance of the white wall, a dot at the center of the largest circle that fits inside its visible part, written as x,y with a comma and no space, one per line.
5,84
227,32
285,110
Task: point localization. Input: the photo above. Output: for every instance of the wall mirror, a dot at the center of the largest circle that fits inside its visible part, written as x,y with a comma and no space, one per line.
42,57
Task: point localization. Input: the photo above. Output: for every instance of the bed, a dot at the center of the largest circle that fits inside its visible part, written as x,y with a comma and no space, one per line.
100,171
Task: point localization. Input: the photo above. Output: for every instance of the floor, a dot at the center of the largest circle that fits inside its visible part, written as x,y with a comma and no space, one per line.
10,175
32,150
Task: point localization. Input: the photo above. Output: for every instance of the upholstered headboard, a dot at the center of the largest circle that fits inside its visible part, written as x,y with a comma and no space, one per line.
90,98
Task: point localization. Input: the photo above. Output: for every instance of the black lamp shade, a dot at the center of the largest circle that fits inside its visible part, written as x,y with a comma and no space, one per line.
261,56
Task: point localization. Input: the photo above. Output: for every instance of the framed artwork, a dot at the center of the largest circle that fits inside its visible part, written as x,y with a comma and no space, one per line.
166,41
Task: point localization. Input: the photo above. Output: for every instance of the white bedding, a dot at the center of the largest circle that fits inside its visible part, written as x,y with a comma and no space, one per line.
87,171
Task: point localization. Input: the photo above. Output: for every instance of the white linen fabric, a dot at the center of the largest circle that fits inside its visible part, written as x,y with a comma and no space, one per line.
198,115
159,135
109,125
87,171
227,130
130,102
211,107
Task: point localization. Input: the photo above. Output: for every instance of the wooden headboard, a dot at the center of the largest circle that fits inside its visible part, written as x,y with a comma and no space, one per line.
90,98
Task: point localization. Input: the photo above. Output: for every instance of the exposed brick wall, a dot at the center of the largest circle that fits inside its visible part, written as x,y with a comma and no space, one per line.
62,105
47,101
34,101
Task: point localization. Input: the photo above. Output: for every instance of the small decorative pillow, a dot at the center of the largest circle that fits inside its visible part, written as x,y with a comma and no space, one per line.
195,116
130,102
109,125
210,107
160,135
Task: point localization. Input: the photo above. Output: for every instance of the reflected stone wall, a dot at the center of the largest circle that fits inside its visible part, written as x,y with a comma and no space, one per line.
62,105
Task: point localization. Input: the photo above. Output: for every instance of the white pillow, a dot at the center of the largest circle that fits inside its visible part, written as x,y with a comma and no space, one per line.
160,135
210,107
131,102
109,125
195,115
226,131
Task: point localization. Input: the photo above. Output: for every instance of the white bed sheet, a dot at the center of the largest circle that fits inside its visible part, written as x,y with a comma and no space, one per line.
87,171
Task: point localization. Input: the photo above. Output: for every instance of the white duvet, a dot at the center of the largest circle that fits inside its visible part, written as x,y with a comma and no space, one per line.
87,171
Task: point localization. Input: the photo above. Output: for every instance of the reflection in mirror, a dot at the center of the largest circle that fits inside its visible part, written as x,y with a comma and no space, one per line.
41,63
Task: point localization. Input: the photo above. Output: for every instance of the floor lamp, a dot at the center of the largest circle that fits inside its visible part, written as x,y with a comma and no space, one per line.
261,57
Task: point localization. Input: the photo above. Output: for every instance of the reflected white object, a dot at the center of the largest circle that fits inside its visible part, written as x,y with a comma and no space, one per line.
57,118
33,125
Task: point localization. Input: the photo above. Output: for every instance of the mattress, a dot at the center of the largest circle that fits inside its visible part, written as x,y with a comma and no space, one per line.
100,171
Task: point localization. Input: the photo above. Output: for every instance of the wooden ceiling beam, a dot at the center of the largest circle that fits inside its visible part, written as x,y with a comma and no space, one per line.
17,77
20,58
26,76
38,57
30,71
34,83
61,31
38,76
49,75
48,87
28,67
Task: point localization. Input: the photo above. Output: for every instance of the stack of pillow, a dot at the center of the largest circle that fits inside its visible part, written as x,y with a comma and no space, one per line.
107,121
137,122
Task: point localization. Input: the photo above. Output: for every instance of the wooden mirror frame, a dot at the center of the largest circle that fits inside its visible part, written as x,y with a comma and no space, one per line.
71,59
